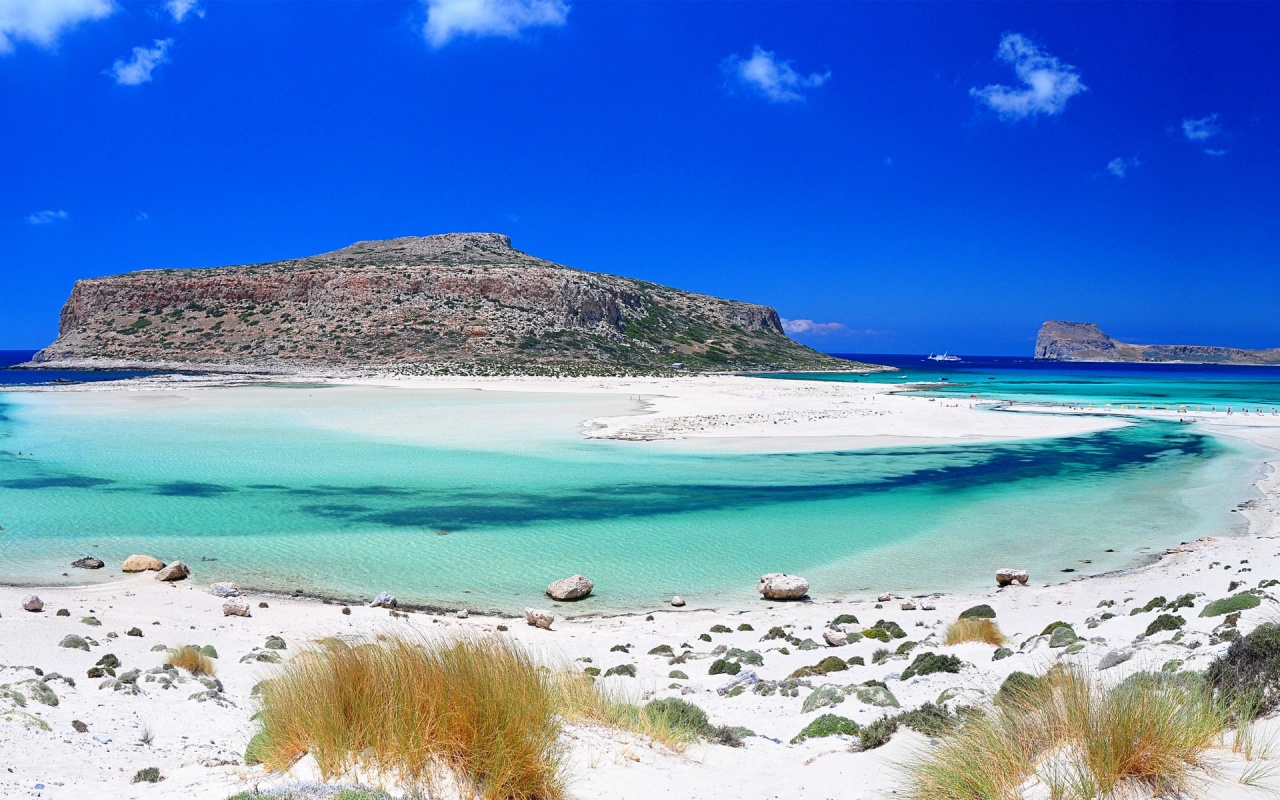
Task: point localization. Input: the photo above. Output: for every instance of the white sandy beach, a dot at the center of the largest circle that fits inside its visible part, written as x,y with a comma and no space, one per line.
198,745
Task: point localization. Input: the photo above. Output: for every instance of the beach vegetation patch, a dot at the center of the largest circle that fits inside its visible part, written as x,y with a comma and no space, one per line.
1247,676
879,634
1048,630
827,725
475,711
845,619
1152,605
190,658
856,661
74,642
721,629
1078,738
826,665
892,628
1182,601
1164,622
663,650
878,733
983,611
746,626
625,670
1236,602
678,675
91,621
929,663
723,666
148,775
969,629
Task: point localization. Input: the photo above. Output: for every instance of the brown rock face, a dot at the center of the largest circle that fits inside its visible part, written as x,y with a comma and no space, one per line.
1084,341
140,563
462,302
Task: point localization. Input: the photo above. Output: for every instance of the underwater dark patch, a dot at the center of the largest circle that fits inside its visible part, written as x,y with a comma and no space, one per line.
55,482
191,489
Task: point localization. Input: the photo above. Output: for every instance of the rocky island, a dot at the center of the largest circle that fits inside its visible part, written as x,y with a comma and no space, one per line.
458,303
1084,341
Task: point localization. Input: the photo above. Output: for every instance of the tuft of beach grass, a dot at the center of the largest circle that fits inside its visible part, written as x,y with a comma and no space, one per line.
191,659
974,630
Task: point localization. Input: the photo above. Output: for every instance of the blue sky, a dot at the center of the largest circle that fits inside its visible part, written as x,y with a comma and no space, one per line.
899,177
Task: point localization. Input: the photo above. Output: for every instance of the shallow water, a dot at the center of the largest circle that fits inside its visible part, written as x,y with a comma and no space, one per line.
479,499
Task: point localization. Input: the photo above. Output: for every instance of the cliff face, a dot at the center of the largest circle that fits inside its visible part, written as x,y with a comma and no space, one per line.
462,302
1084,341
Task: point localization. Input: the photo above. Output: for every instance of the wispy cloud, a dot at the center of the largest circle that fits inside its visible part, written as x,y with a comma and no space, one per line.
46,217
138,68
179,9
43,21
1197,130
1216,151
776,81
1047,83
1120,167
142,217
807,327
447,19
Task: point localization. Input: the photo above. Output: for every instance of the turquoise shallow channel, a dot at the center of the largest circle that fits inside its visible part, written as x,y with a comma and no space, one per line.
479,499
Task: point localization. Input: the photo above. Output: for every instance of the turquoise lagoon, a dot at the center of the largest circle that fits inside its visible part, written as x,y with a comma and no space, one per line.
479,499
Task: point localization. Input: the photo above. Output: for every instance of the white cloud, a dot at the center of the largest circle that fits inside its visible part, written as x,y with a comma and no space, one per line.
179,9
1216,151
772,79
142,217
1047,83
1120,167
138,69
43,21
811,328
46,217
1197,130
449,18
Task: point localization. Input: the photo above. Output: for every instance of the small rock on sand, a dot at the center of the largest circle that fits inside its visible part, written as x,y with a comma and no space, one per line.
32,603
462,613
539,618
235,608
224,589
174,572
884,598
928,605
908,605
575,587
1115,658
835,638
1007,576
677,601
138,563
383,600
780,586
88,562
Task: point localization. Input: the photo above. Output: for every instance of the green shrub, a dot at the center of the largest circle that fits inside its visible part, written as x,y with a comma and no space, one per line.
704,637
856,661
1016,687
1165,622
629,670
678,675
662,650
252,751
983,611
827,725
879,634
1152,605
930,720
1182,601
208,650
723,666
679,714
1248,675
929,663
721,629
1236,602
895,630
774,633
828,664
1049,628
745,627
845,619
147,775
877,733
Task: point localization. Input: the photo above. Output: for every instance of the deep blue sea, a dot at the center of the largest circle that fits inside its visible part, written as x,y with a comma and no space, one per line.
19,377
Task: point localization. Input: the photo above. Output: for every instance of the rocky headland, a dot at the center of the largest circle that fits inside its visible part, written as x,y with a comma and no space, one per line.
1083,341
459,303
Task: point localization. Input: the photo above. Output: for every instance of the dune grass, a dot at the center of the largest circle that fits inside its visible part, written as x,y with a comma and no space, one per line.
191,659
1078,738
972,629
476,712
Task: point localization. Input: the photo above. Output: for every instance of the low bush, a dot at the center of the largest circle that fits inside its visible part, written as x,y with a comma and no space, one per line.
983,611
845,619
1164,622
826,665
1152,605
894,629
1236,602
877,733
147,775
879,634
1247,677
1048,631
974,630
930,720
827,725
625,670
929,663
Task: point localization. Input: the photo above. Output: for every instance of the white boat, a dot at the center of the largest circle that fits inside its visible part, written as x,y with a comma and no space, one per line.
943,357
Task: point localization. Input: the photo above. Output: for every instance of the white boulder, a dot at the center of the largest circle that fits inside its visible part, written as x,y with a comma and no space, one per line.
235,608
780,586
575,587
538,618
1007,576
32,603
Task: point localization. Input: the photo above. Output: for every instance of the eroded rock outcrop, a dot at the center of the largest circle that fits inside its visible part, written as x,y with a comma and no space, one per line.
1059,340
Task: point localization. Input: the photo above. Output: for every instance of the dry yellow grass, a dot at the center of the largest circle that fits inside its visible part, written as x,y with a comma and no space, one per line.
475,711
580,699
191,659
974,630
1081,740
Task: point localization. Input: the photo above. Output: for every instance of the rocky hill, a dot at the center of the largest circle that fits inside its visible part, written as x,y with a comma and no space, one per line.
1084,341
456,303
